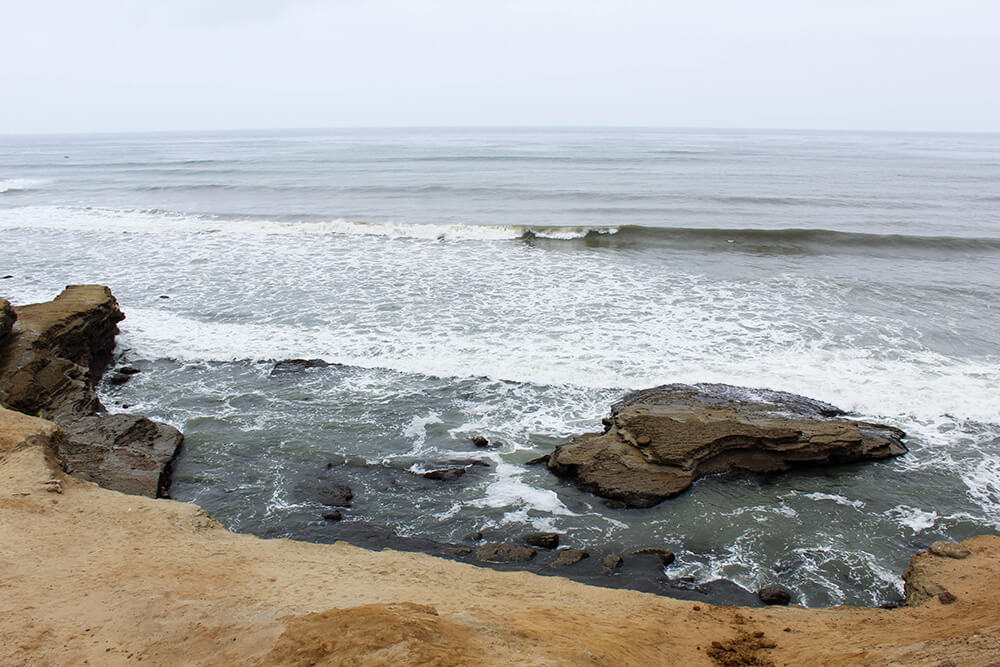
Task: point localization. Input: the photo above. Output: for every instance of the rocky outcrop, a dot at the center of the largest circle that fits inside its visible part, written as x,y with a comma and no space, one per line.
7,317
658,441
51,362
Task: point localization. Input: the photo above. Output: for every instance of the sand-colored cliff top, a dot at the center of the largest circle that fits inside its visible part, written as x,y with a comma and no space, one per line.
92,575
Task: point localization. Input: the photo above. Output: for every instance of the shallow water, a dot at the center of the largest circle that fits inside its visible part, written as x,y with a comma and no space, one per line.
863,270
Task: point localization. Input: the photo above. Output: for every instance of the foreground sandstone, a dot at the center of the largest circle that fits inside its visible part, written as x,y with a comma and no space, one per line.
92,575
660,440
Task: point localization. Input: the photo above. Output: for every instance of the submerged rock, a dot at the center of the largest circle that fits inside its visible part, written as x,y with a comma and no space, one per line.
504,553
612,561
453,469
664,555
287,366
569,557
543,540
662,439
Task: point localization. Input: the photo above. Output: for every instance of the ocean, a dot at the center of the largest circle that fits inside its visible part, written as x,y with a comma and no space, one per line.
513,284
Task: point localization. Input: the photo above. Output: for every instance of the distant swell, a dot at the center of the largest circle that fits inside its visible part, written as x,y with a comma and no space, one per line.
764,241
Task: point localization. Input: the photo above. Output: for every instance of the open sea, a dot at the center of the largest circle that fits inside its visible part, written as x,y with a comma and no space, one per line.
513,284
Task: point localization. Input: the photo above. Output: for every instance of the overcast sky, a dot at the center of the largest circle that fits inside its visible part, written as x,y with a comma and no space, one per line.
74,65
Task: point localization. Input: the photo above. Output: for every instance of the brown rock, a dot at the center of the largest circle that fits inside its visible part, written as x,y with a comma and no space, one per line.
612,561
950,550
7,318
498,552
569,557
710,428
49,365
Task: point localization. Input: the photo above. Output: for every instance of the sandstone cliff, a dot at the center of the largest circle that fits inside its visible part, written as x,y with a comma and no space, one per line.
51,359
92,575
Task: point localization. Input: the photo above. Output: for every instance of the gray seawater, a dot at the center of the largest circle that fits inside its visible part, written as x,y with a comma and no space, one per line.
859,269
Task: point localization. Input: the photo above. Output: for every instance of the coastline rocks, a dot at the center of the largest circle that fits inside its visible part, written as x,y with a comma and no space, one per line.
569,557
288,366
773,594
325,492
498,552
453,469
50,362
542,540
612,561
664,555
126,453
7,318
658,441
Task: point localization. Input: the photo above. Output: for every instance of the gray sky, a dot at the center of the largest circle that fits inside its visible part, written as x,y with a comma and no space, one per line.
74,65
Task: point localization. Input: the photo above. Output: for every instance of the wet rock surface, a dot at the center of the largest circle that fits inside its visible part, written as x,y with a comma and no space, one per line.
292,366
543,540
658,441
569,557
504,553
774,594
50,363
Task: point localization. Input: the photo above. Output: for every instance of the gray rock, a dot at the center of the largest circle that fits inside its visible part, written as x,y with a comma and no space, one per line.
126,453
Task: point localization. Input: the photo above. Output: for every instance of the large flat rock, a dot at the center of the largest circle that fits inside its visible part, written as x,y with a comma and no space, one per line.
659,440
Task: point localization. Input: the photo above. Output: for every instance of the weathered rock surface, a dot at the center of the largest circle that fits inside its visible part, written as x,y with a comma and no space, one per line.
658,441
543,540
50,363
950,550
569,557
504,553
7,318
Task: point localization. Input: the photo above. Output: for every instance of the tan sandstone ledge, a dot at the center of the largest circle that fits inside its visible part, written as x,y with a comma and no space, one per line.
89,575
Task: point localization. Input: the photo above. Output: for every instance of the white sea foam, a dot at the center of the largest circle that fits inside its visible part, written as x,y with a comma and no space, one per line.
913,518
836,498
15,184
158,222
983,483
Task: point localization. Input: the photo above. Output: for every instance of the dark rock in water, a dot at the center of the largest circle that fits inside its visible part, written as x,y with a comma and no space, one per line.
664,555
164,296
541,459
453,469
543,540
126,453
774,594
480,441
444,474
6,277
504,553
49,366
662,439
612,561
119,378
287,366
128,370
324,491
569,557
335,515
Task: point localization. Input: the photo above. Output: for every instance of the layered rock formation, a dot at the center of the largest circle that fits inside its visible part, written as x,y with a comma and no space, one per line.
658,441
51,358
